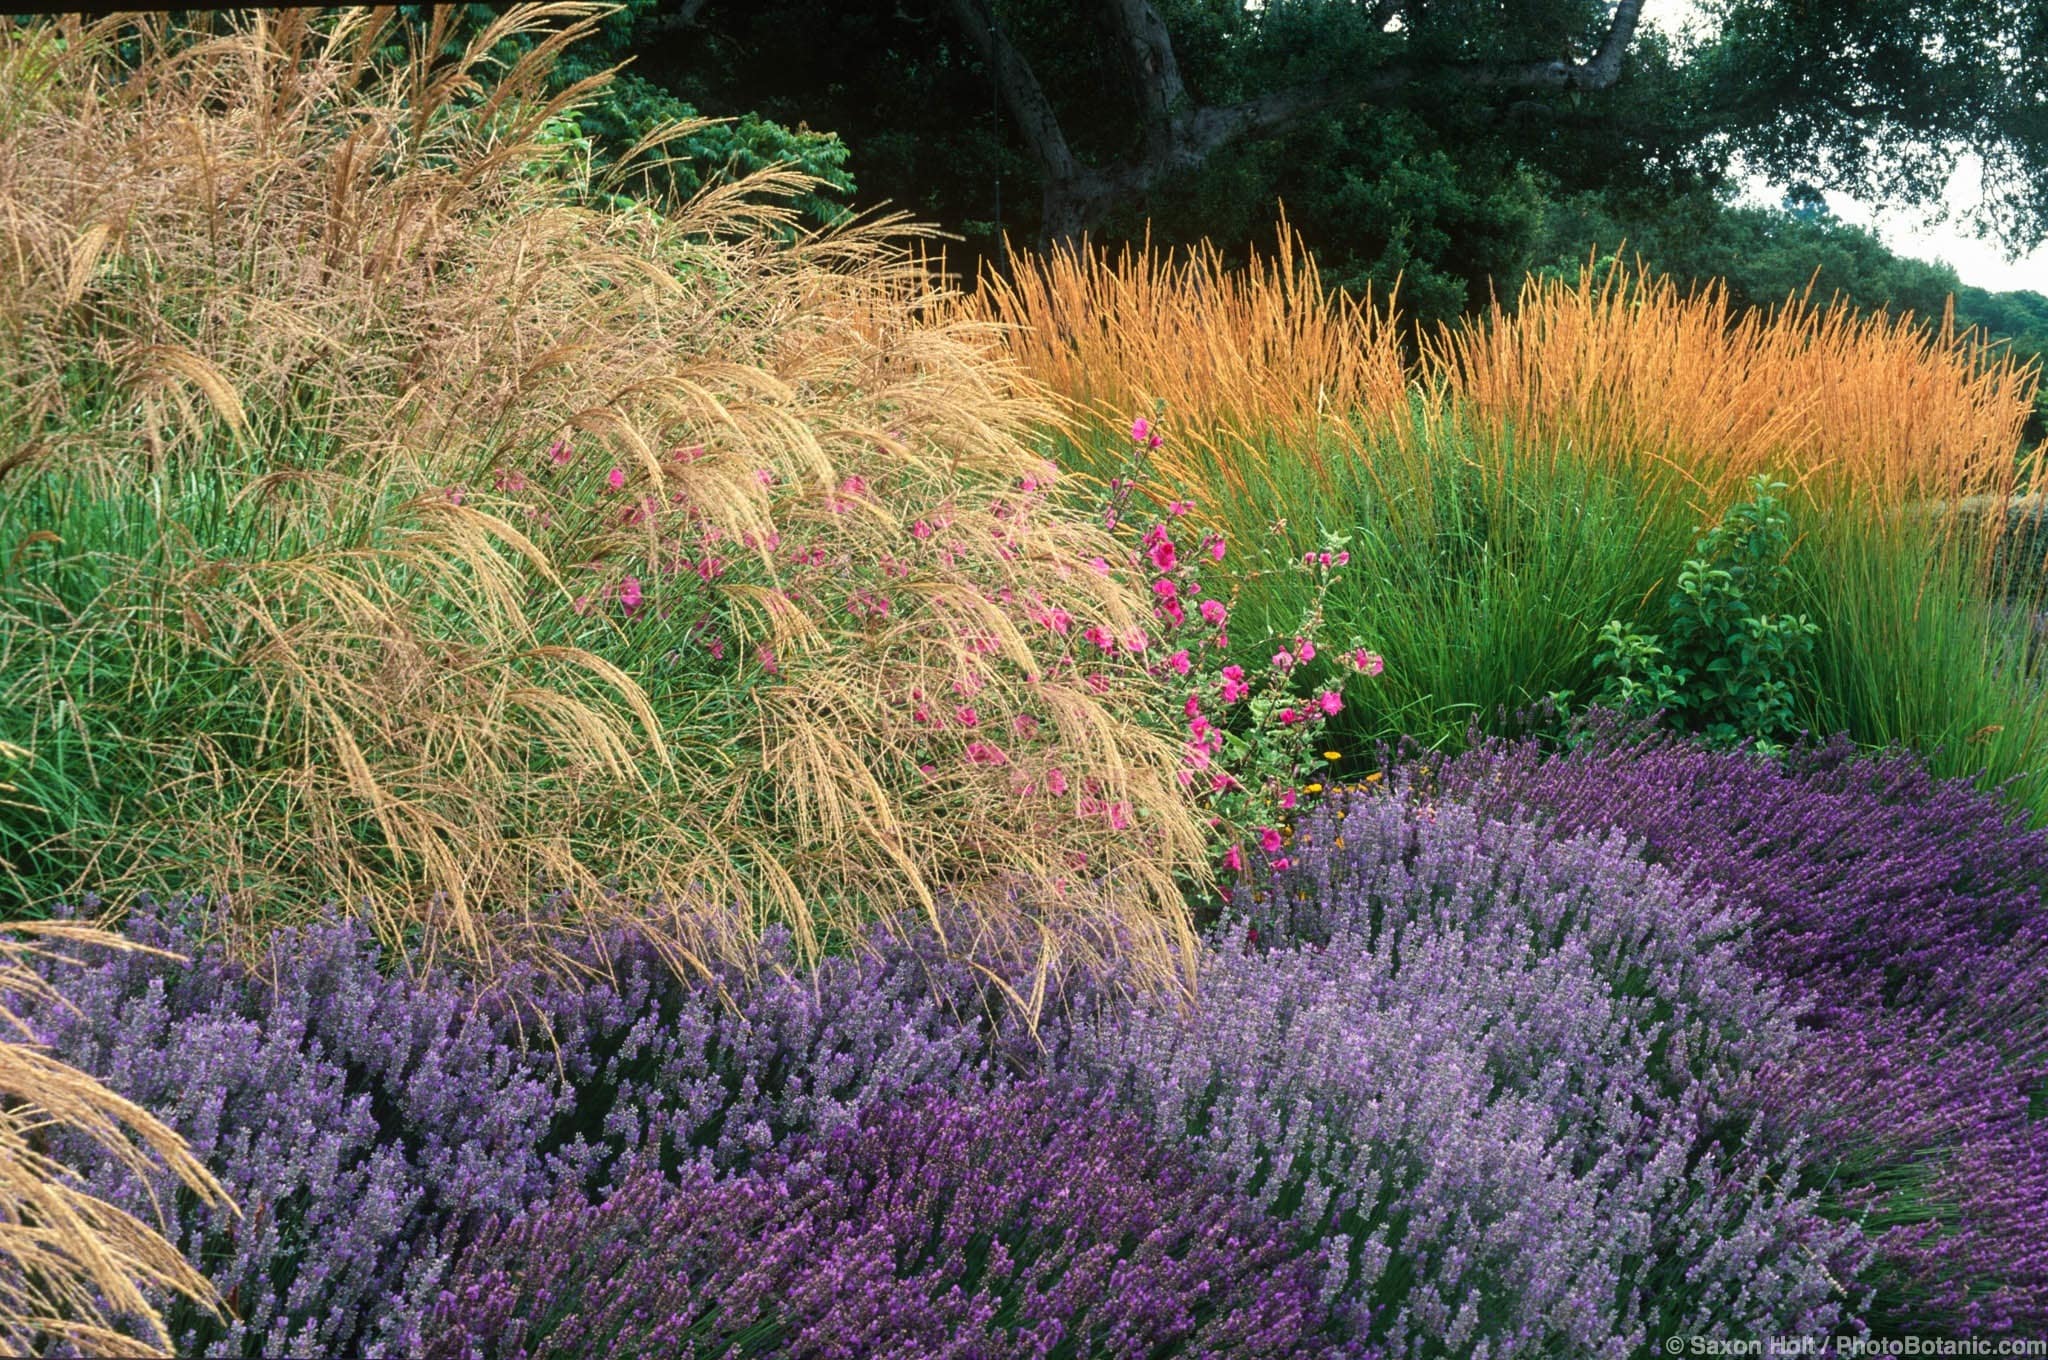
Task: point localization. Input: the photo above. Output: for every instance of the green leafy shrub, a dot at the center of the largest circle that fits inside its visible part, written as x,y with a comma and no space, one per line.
1728,665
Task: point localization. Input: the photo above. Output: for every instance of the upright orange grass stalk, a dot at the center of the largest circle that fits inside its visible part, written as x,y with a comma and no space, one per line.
73,1268
1873,410
1263,348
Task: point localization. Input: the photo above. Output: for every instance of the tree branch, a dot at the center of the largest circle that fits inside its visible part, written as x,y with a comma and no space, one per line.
1205,130
1020,89
1180,135
1155,68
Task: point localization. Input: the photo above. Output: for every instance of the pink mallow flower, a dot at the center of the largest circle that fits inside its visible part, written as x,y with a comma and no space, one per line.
629,594
1233,860
1216,549
1331,702
1180,663
1213,613
1283,660
1369,662
1163,555
1269,839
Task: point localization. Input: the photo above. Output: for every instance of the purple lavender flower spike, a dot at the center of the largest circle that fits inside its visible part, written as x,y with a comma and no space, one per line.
1504,1078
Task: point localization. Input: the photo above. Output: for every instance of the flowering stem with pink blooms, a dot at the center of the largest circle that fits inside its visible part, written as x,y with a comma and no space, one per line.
1254,742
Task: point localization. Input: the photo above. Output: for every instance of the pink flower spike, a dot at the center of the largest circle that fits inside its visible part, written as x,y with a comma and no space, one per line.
1332,702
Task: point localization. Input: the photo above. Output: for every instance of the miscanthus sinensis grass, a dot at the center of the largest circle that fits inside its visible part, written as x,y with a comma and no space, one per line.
389,524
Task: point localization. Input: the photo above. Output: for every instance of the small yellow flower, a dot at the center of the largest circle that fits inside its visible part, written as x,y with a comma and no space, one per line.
1311,788
1374,777
1333,755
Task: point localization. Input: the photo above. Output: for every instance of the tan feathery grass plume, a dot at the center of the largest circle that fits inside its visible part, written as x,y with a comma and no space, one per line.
73,1267
365,300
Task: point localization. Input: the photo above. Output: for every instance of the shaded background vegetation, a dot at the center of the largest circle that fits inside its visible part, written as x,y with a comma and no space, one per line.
1453,192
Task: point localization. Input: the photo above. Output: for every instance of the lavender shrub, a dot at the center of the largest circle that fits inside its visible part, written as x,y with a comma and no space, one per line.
1503,1077
368,1124
1029,1223
1907,912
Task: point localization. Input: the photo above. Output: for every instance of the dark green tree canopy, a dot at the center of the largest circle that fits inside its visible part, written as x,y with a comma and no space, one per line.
1423,138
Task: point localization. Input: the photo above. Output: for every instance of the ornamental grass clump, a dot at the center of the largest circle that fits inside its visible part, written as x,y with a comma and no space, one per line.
397,519
1870,410
369,1122
1506,1081
1033,1222
1906,911
1245,350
